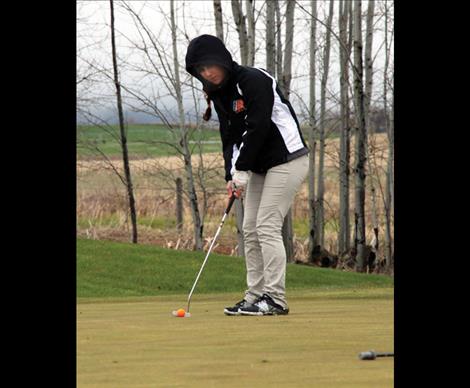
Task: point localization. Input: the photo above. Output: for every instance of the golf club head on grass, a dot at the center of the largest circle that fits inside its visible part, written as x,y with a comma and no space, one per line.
372,355
180,313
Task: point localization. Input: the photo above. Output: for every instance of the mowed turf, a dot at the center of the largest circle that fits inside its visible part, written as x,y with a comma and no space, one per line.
127,339
110,269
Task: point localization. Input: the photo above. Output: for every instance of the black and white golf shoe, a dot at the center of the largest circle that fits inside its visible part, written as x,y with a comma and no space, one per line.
235,310
265,305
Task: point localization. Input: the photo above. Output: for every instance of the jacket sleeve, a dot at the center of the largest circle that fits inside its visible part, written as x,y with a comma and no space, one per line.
227,142
257,91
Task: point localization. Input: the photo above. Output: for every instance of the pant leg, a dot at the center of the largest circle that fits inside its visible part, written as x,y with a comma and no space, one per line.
253,254
280,186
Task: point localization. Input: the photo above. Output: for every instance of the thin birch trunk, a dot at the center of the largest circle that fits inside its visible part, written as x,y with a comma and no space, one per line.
287,68
389,173
313,238
250,18
287,228
123,136
321,156
270,37
361,140
344,227
369,130
197,223
219,26
278,40
240,23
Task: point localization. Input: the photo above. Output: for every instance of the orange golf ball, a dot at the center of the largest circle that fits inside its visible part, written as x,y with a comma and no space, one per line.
180,313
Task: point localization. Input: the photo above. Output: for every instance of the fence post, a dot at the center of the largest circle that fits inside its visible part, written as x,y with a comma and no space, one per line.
179,204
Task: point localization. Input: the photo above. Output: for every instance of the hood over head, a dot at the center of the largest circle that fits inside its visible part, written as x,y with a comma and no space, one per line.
208,50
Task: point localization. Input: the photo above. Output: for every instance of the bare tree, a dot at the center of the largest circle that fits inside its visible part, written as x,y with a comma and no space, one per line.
278,38
198,226
344,230
219,26
164,65
240,23
287,68
123,136
250,18
313,236
270,37
369,130
287,228
388,205
361,141
321,162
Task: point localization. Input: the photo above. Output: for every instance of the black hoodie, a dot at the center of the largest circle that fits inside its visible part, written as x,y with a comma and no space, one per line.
258,126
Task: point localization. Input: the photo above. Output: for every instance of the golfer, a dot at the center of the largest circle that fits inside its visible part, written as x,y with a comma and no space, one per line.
266,161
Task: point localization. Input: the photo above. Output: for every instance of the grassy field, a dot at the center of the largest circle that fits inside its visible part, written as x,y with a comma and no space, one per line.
127,337
142,140
102,210
110,269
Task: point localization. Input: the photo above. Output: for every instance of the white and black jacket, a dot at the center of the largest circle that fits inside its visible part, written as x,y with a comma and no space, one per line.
258,126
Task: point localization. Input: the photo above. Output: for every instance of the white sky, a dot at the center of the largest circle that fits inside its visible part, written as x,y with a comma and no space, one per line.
195,18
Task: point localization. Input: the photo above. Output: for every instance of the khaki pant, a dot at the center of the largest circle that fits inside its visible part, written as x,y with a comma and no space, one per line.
267,200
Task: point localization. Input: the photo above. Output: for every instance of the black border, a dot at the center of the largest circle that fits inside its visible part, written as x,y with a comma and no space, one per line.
41,191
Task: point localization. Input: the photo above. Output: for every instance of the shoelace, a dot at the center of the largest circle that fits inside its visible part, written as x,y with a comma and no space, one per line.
241,303
262,302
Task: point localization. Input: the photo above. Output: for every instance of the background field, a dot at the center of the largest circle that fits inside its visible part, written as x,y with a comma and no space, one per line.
126,336
101,200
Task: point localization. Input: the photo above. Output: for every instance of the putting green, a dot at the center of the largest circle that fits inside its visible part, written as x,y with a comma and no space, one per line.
136,342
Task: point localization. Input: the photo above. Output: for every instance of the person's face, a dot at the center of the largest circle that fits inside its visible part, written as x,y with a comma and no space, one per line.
212,73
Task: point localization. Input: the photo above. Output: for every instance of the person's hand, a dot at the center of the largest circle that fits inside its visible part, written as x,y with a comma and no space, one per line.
240,179
231,190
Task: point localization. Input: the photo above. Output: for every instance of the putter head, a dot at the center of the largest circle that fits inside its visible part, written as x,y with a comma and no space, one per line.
179,314
370,355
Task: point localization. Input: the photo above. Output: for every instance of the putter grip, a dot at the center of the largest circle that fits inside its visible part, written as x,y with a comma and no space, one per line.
230,203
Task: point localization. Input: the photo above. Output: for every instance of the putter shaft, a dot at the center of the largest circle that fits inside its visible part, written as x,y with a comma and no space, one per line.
372,355
230,203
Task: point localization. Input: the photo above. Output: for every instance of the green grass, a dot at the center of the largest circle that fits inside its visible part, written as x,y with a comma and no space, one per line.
141,140
127,337
113,220
110,269
137,343
142,137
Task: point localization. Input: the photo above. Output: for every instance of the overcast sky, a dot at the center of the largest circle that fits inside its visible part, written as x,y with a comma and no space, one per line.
195,18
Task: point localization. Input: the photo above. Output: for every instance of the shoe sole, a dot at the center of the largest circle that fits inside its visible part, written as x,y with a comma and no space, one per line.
261,313
227,312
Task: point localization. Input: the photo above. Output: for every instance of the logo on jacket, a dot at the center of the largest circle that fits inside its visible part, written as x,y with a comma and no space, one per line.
238,106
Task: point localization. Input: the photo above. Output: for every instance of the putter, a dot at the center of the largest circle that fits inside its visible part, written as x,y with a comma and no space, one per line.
229,206
372,355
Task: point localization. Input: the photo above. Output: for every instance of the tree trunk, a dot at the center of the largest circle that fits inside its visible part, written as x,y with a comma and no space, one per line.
240,23
368,61
270,38
389,173
313,237
361,140
123,136
278,40
321,157
344,225
369,130
250,16
198,226
288,237
287,229
287,68
219,25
